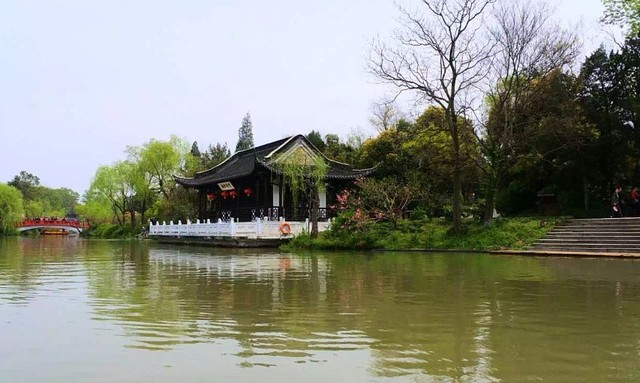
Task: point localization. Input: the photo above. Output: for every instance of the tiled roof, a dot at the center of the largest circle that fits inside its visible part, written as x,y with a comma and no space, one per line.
336,171
243,163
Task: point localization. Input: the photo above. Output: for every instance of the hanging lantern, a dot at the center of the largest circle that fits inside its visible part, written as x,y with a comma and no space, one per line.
248,192
224,194
211,196
233,193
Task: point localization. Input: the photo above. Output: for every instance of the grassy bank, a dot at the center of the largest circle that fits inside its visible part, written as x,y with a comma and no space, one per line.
109,231
512,233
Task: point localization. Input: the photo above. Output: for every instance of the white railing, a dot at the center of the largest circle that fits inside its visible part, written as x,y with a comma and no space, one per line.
255,229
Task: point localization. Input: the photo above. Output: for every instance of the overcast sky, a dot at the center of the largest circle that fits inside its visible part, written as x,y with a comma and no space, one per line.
80,80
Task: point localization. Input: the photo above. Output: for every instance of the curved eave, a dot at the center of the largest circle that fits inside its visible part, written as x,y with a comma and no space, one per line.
184,181
203,181
238,155
351,174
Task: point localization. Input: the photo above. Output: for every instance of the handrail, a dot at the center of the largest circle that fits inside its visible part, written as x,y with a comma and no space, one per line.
52,222
273,213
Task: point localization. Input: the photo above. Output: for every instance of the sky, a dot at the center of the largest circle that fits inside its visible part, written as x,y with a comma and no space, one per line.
81,80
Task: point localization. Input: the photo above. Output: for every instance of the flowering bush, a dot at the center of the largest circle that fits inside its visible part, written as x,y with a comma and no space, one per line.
373,201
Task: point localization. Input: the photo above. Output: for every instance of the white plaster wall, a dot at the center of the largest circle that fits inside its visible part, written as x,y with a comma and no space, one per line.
322,195
276,195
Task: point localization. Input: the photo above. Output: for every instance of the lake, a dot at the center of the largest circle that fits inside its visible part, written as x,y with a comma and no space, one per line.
76,310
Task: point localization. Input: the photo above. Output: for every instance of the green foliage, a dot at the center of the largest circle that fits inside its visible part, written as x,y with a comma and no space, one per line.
52,202
131,189
537,142
162,159
518,196
608,97
95,211
386,199
303,173
11,208
214,155
339,151
26,183
195,151
432,234
245,134
41,201
110,184
430,145
419,157
35,209
625,13
181,204
390,146
316,139
109,231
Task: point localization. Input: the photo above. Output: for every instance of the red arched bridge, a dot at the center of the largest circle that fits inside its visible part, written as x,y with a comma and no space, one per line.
70,225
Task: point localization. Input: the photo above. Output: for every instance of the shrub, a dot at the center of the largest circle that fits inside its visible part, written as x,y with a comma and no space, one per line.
108,230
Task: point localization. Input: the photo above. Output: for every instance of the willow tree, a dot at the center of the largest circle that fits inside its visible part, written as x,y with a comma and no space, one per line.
111,183
304,173
11,209
162,159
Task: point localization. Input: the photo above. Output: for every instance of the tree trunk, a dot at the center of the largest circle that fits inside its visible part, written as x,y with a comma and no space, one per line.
143,212
161,186
585,185
489,204
133,219
457,174
493,180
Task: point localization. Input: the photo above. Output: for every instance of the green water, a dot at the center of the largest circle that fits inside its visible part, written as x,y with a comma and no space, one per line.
73,310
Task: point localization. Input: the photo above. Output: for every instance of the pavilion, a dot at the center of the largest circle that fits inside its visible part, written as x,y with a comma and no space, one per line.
250,186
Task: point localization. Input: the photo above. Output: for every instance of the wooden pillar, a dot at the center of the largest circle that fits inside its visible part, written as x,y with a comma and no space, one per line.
201,208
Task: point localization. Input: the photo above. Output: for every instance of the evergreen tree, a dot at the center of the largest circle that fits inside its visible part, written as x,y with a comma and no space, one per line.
245,134
316,139
215,155
26,183
195,151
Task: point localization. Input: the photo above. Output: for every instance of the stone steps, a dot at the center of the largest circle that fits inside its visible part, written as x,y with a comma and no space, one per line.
622,241
596,231
620,235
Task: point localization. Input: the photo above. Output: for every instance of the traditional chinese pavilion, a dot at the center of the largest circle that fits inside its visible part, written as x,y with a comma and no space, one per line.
250,185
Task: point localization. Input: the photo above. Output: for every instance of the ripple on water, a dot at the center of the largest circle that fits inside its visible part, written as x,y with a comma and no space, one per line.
398,317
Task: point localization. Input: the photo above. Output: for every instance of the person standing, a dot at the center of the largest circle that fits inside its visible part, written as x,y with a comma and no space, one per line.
616,202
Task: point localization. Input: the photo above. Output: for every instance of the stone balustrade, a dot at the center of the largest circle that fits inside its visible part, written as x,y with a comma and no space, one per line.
254,229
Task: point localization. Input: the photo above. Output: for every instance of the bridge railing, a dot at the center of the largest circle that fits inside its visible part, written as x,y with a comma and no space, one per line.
255,229
52,222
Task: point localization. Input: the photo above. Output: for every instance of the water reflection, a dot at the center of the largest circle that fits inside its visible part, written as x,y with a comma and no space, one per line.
404,316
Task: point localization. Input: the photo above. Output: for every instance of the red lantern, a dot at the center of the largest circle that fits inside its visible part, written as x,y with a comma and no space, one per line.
211,196
233,193
248,192
224,194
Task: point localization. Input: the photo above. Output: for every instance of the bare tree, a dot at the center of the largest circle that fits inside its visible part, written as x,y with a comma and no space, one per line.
385,115
442,55
528,45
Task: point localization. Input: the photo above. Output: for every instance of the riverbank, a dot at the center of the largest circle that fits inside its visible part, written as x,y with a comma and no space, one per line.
431,234
109,231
